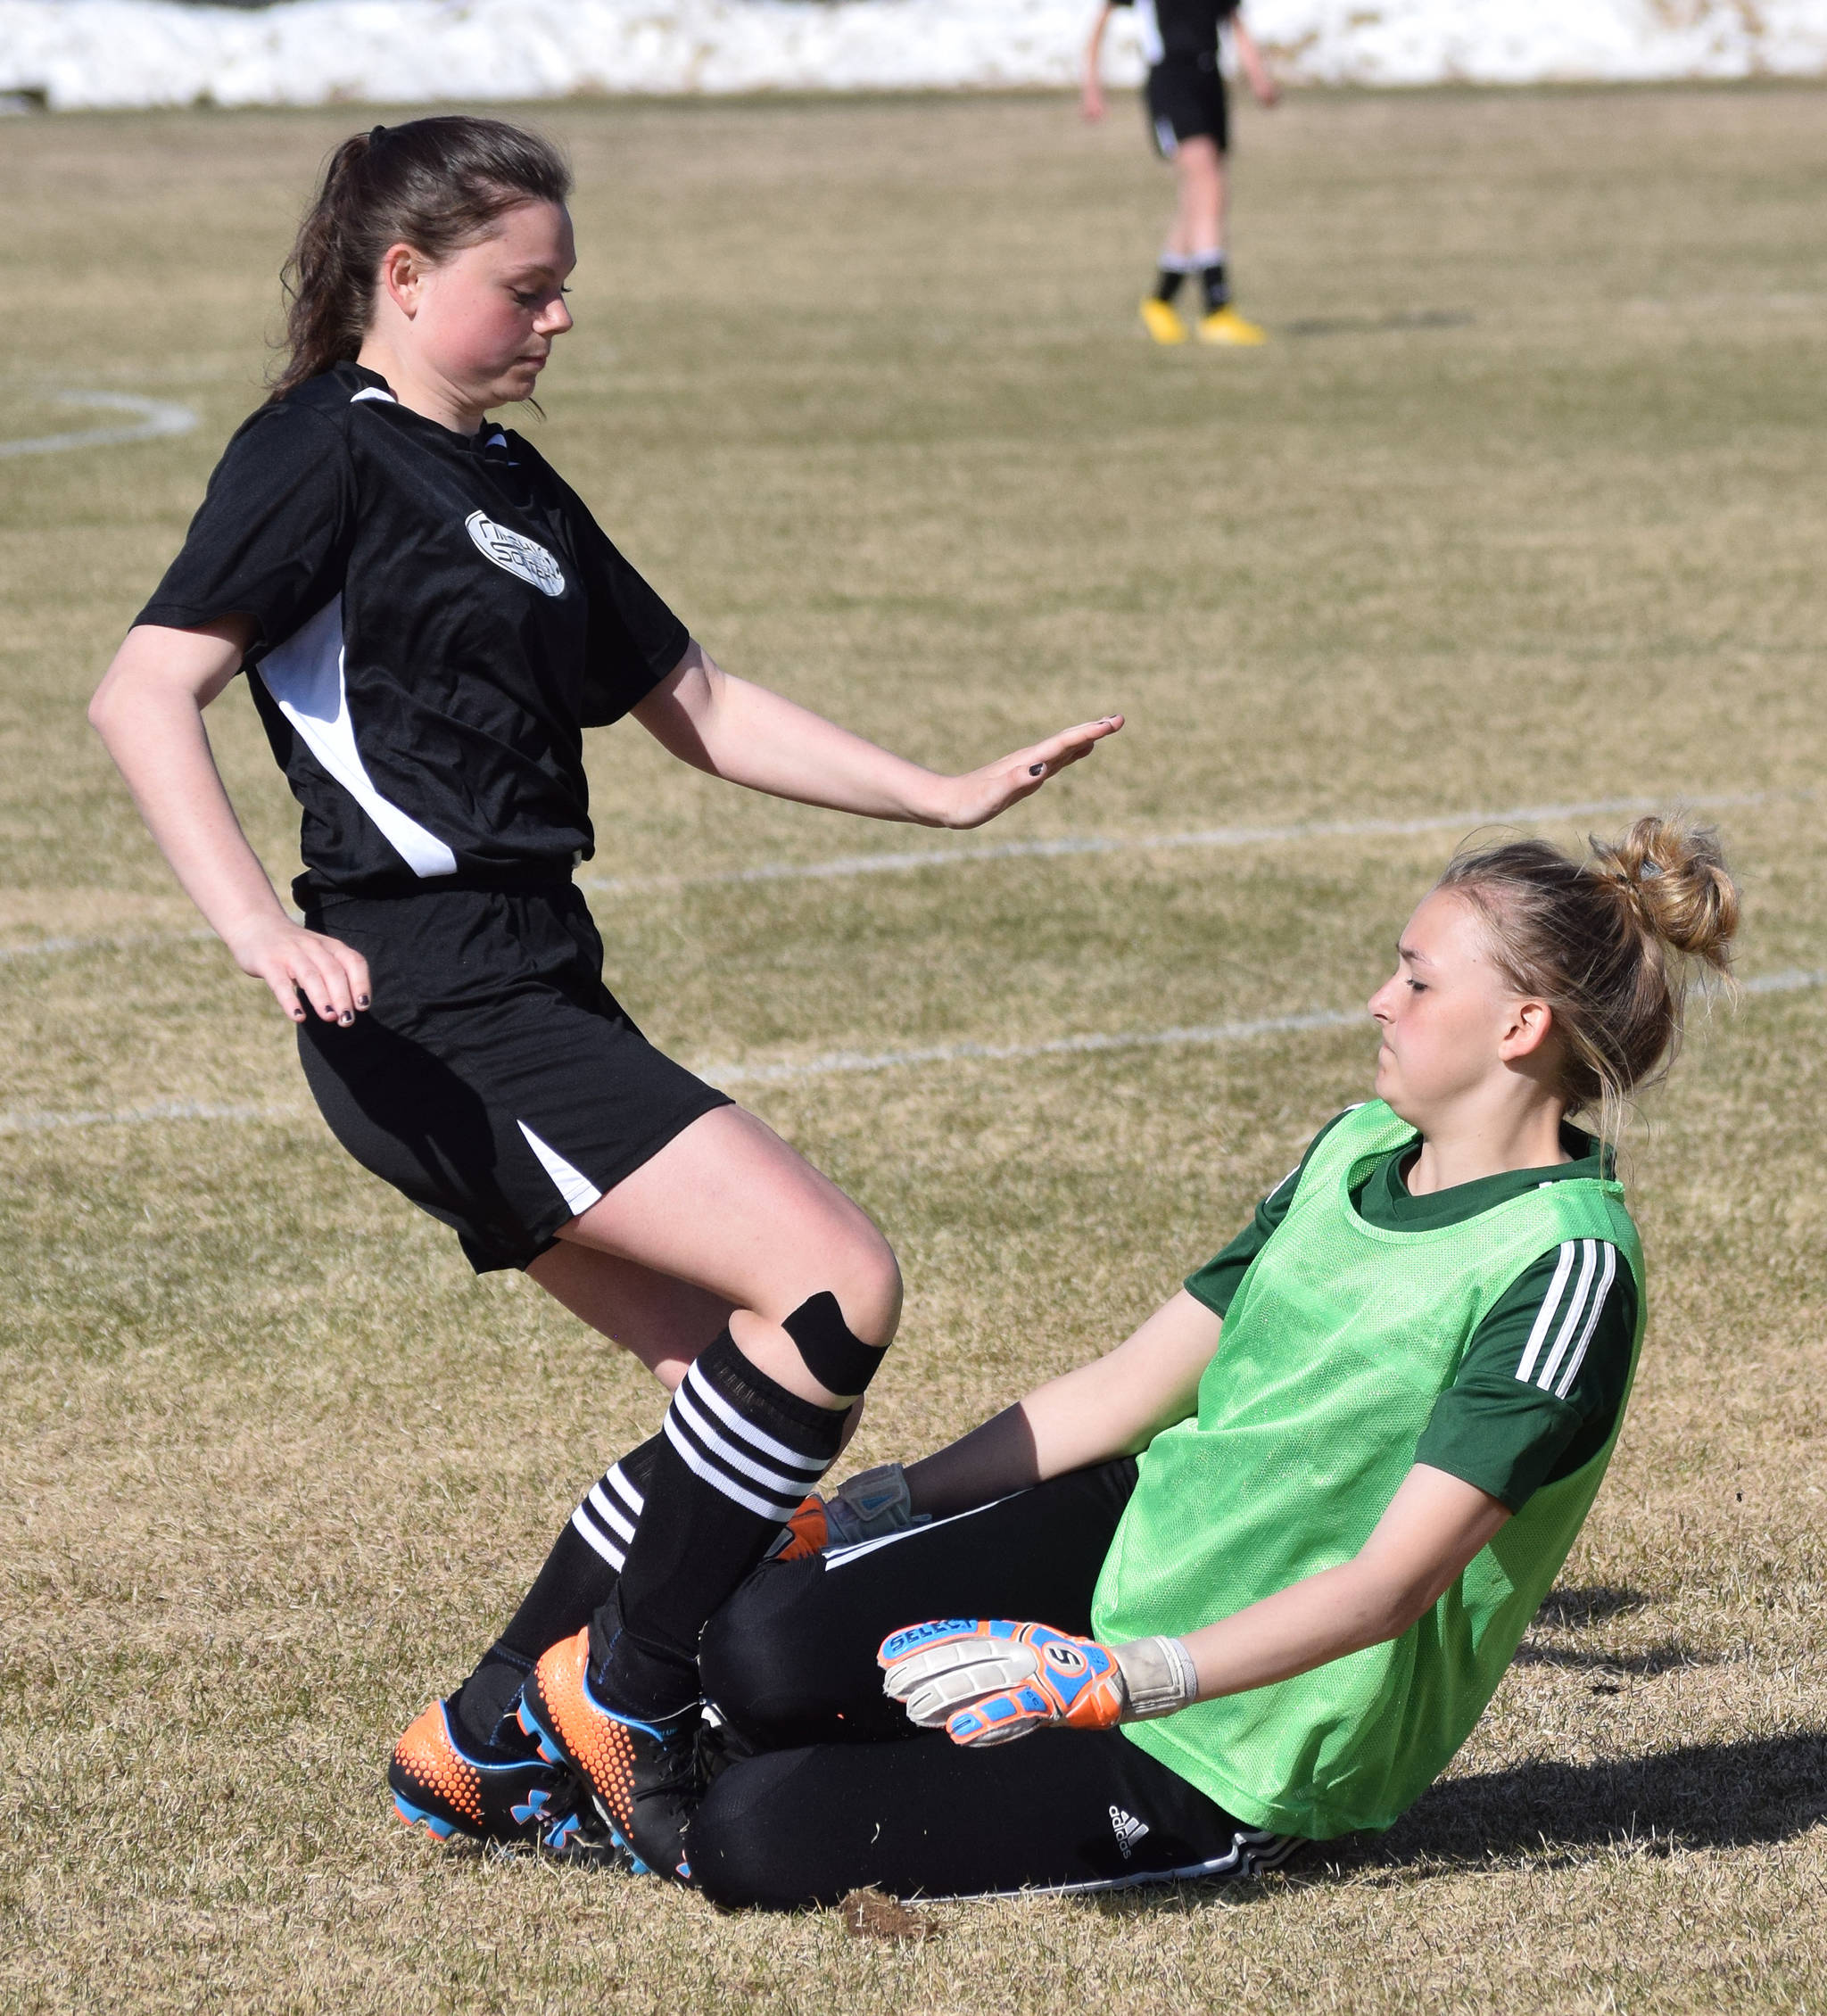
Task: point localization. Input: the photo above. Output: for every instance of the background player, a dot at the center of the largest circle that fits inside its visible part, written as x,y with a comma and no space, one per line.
429,618
1189,118
1370,1430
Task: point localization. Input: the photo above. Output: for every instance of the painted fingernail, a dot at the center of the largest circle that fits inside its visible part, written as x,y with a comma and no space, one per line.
344,1021
1035,769
361,1001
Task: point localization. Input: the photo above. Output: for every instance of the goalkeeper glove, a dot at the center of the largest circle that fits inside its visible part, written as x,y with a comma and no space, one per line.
987,1681
865,1507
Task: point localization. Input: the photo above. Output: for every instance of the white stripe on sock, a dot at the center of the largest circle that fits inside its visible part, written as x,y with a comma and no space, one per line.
617,1521
701,1467
599,1542
815,1467
720,1447
617,1478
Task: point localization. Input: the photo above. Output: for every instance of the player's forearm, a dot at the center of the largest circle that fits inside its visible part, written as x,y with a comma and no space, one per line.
1431,1530
1093,48
1251,57
747,735
154,731
1114,1406
1309,1623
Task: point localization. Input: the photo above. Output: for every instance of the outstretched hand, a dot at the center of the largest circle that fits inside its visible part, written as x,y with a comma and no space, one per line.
978,796
303,966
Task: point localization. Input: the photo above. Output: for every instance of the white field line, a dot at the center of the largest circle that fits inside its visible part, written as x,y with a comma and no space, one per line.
41,948
1211,837
152,419
1215,837
841,1062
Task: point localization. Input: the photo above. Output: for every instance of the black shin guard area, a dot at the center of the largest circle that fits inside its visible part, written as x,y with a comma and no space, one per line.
739,1453
838,1359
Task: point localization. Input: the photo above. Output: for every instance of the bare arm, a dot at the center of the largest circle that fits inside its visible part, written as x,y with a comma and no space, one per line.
1112,1407
747,735
148,710
1091,88
1262,83
1434,1525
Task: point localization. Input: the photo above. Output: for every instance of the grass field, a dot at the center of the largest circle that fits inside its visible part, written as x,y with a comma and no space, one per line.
858,386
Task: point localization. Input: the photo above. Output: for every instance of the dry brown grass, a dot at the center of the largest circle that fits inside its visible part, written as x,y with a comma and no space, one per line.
857,384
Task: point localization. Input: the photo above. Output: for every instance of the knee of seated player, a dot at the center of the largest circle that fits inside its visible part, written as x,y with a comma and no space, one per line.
752,1660
743,1838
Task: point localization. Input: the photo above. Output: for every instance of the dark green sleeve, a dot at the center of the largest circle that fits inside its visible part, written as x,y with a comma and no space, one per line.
1215,1282
1544,1377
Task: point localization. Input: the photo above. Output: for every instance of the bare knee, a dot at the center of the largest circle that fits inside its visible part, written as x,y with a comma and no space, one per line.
870,1295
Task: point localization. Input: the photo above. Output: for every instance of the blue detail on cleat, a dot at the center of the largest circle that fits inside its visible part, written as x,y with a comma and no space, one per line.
417,1816
530,1725
536,1803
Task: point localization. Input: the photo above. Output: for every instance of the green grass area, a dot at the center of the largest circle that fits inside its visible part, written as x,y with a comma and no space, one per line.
859,386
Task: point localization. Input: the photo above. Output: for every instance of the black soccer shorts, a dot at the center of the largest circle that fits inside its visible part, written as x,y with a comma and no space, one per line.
835,1790
496,1081
1184,96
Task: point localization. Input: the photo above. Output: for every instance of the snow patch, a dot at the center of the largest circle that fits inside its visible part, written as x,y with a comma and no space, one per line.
73,54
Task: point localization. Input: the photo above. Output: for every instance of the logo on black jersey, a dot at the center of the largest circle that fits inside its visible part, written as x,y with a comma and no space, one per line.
524,558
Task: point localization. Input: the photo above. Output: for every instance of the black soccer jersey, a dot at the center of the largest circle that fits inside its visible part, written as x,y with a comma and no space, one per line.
437,619
1179,27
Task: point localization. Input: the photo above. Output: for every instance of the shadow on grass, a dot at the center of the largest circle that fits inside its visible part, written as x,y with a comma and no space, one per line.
1553,1815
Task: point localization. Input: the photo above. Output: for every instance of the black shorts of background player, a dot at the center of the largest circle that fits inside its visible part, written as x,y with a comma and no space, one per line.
1188,118
429,618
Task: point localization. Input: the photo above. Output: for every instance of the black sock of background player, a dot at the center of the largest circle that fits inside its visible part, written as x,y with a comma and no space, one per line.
1167,281
578,1578
739,1455
1216,287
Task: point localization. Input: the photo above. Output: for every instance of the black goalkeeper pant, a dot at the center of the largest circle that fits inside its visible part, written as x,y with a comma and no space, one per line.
841,1792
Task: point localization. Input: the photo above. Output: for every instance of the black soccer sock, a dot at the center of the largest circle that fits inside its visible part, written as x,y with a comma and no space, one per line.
578,1578
1212,279
740,1453
1168,277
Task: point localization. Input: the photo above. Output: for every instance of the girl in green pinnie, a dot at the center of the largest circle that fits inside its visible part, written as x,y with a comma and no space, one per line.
1284,1540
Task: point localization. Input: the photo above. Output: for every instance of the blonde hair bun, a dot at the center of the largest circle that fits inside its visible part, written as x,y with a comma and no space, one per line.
1673,873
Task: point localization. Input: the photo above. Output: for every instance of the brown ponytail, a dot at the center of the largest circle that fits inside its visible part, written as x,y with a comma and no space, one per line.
1609,943
436,184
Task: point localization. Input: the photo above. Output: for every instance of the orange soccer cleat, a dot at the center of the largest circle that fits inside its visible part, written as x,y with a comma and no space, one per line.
643,1776
445,1786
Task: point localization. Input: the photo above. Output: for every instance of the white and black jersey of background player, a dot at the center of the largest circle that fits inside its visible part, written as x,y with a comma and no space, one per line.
1189,119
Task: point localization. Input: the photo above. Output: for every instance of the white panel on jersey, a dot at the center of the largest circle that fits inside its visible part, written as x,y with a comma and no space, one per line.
372,392
304,675
572,1186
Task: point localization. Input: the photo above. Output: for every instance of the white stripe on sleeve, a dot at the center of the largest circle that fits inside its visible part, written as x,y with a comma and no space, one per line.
1545,1314
1575,1313
1606,1276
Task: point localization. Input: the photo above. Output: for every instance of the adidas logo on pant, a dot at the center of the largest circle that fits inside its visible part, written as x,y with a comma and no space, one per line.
1128,1831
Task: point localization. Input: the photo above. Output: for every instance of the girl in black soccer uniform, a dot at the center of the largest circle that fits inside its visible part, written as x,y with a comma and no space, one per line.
429,618
1189,119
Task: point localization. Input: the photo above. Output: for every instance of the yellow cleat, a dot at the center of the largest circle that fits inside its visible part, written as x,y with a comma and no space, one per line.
1225,325
1161,322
